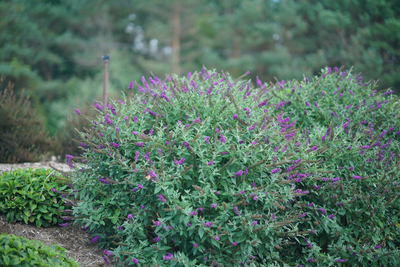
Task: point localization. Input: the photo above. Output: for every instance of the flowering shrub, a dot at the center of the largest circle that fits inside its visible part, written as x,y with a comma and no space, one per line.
205,170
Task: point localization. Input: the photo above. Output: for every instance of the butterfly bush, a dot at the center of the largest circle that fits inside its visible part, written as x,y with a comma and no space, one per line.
218,172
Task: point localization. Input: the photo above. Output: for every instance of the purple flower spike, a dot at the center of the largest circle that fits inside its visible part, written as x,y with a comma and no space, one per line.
95,238
276,170
130,86
106,260
77,111
98,106
239,173
162,198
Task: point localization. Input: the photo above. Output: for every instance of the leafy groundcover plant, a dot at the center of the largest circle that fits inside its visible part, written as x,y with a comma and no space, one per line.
205,170
19,251
30,196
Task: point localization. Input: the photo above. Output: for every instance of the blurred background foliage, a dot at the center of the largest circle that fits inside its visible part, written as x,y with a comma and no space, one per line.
53,48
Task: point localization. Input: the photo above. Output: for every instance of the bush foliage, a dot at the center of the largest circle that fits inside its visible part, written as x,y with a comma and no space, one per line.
68,136
22,134
205,170
29,196
19,251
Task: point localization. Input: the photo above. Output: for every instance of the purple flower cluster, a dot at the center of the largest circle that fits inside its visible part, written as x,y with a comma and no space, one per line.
239,173
186,144
69,157
180,162
276,170
162,198
95,238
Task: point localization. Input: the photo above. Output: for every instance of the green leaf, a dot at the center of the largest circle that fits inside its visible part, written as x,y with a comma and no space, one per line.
215,243
33,206
42,209
114,220
25,218
38,223
6,259
356,231
157,189
27,212
201,232
10,216
323,240
241,239
15,261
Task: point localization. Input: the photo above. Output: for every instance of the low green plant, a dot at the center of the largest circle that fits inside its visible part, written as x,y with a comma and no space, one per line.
22,134
19,251
29,196
211,171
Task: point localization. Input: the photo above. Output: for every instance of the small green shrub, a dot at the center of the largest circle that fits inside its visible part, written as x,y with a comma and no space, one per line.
22,134
26,195
19,251
207,171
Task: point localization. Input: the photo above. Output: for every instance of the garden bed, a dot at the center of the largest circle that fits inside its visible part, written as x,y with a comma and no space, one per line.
72,238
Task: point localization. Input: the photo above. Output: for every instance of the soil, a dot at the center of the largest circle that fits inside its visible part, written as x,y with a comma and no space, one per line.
72,238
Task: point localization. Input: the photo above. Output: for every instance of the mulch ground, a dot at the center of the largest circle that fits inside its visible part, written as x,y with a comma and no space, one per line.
72,238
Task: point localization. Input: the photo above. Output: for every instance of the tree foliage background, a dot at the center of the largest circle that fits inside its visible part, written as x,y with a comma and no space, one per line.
53,48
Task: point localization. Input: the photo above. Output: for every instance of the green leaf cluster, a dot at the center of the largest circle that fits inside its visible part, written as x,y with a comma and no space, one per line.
26,196
19,251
